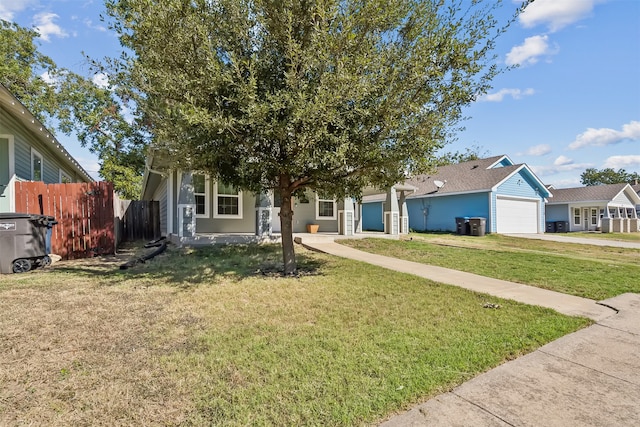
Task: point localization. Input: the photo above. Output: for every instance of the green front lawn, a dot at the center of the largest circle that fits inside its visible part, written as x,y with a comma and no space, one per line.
216,337
594,272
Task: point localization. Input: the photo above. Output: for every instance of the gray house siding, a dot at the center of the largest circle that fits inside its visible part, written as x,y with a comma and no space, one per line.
23,143
229,225
5,175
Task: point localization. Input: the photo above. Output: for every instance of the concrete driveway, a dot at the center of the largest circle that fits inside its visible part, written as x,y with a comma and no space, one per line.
580,240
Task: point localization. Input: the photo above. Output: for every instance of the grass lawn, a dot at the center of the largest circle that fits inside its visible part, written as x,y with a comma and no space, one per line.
594,272
216,337
624,237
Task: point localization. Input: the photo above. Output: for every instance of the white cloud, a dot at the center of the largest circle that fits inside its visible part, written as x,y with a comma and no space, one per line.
560,164
48,78
566,183
101,80
556,14
500,95
605,136
562,161
537,150
46,27
530,51
8,8
89,23
622,162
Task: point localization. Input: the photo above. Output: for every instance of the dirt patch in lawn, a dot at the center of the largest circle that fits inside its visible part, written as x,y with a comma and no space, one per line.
75,352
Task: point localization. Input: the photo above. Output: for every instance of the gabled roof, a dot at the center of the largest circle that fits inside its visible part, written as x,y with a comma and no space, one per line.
594,193
474,176
24,116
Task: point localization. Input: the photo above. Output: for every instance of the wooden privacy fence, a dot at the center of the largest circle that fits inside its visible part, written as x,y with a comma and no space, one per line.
84,212
137,220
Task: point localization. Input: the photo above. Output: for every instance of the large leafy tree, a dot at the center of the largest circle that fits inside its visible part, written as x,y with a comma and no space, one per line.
71,103
332,95
593,176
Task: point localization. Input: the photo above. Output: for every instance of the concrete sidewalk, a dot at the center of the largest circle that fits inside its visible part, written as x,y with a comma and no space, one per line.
566,304
588,378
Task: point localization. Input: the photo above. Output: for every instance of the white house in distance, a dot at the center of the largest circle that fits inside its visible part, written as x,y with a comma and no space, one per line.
606,208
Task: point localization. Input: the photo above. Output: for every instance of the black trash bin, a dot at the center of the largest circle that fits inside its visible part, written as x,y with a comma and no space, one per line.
551,227
462,225
562,227
25,241
478,226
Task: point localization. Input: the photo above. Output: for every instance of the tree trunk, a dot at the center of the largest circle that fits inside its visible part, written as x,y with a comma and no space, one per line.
286,228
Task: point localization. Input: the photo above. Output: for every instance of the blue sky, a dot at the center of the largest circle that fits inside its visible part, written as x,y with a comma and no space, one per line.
572,103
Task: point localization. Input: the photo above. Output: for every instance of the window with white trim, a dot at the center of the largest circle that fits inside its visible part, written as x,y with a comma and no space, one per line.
201,194
36,165
594,216
576,216
325,208
65,178
227,201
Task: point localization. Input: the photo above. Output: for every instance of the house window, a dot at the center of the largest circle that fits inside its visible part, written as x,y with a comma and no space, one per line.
36,166
227,201
576,216
594,216
325,208
201,194
65,178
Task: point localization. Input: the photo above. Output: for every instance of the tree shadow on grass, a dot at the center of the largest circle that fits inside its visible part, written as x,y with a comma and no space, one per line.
185,267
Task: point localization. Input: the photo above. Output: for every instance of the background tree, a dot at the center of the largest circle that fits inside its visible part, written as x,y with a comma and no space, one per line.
71,103
331,95
471,153
592,176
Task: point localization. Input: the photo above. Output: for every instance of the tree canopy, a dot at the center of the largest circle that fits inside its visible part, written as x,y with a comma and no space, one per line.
593,176
332,95
70,103
470,153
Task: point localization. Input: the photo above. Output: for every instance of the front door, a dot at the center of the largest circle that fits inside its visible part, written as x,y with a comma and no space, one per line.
586,217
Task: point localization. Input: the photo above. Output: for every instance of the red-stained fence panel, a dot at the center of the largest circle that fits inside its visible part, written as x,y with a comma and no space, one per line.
84,213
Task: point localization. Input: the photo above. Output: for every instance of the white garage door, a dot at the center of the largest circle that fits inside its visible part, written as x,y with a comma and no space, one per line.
516,216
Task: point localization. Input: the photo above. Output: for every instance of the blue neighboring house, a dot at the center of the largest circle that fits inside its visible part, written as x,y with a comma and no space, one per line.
509,196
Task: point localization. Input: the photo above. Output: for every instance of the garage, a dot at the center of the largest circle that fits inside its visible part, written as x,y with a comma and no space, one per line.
516,216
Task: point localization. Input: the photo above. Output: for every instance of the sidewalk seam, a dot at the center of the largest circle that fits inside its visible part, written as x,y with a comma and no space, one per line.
586,367
482,409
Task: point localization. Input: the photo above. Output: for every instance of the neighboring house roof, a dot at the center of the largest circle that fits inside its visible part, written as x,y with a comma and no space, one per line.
469,177
594,193
474,176
636,188
24,116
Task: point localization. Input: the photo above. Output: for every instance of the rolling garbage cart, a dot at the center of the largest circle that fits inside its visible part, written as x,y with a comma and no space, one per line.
25,241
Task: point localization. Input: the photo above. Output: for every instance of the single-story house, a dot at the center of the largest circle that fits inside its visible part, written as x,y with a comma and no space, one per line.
508,196
607,208
195,209
29,152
